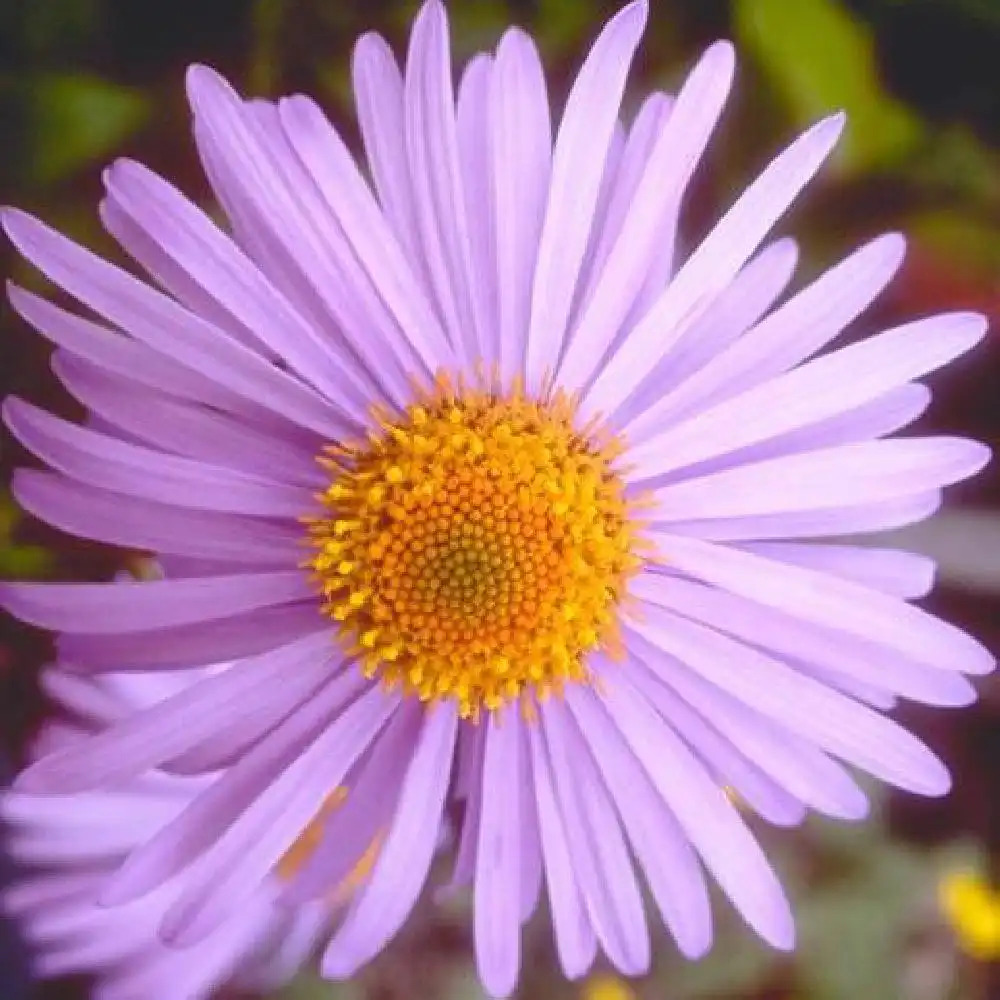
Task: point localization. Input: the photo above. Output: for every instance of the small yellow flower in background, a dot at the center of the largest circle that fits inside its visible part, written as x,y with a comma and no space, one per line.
972,907
607,987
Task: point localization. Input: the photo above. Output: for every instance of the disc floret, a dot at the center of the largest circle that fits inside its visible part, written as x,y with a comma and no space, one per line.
475,546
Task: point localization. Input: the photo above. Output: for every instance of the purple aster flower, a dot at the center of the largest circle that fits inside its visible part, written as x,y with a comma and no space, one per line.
565,558
67,846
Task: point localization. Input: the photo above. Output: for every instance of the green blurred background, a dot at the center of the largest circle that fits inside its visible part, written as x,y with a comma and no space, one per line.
83,81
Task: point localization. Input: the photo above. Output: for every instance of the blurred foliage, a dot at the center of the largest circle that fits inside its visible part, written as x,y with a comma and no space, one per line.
20,561
75,120
83,81
820,57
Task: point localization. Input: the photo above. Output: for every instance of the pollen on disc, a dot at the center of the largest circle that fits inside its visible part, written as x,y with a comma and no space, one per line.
475,546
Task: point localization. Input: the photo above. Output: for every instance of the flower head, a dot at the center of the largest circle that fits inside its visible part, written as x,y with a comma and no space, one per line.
493,502
66,848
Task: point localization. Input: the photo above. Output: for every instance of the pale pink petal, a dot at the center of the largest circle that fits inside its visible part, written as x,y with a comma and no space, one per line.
864,660
378,91
147,738
497,910
577,167
473,123
659,844
823,522
316,260
242,796
710,821
893,571
576,943
109,463
403,862
667,171
97,608
372,794
597,848
828,601
750,294
789,335
754,787
167,327
851,474
248,851
181,428
712,266
821,389
520,143
639,142
332,167
199,644
435,173
826,717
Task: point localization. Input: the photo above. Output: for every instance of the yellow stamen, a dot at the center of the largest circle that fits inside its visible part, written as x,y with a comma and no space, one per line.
475,547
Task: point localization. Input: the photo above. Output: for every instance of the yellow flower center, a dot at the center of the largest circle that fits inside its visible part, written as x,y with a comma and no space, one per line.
475,546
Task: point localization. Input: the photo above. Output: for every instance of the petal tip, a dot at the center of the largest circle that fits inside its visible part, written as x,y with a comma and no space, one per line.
722,52
782,937
16,224
636,13
204,83
935,781
36,778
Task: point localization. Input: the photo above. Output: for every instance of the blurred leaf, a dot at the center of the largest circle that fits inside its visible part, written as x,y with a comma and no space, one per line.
819,58
464,985
561,25
20,562
853,932
962,239
478,25
42,26
309,987
984,10
25,562
77,119
264,58
958,167
746,966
